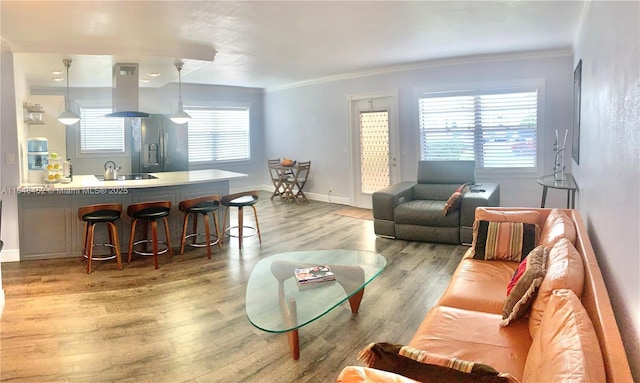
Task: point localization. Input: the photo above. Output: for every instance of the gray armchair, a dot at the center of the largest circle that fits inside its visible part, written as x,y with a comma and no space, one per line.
413,210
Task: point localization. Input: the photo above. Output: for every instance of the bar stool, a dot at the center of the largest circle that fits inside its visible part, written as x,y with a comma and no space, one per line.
150,212
240,200
200,206
92,215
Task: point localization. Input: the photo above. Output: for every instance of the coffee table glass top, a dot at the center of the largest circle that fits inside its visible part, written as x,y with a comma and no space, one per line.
275,302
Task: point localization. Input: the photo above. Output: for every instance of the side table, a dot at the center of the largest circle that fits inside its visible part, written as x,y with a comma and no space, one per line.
569,184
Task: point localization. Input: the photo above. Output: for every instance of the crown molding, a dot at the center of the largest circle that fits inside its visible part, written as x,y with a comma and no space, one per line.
563,52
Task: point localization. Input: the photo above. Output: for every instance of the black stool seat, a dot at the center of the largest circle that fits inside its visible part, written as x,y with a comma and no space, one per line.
203,207
152,213
102,216
243,201
200,207
240,200
92,215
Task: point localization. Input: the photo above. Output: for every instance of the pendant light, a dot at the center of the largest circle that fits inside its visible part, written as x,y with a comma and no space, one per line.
68,117
180,116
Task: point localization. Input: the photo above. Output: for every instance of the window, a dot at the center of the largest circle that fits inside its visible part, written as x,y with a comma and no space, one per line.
99,134
218,134
497,129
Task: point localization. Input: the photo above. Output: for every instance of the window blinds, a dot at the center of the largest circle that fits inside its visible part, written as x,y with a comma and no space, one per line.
99,134
220,134
497,130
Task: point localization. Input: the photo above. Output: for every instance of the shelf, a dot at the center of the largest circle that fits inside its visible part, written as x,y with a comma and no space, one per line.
33,114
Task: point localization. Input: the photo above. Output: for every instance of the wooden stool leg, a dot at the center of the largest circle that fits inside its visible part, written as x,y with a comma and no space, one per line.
133,231
194,239
114,233
207,233
166,233
255,214
90,249
240,224
217,228
84,241
154,241
184,232
224,224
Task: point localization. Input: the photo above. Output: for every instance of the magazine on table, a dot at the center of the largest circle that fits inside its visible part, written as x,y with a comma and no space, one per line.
315,274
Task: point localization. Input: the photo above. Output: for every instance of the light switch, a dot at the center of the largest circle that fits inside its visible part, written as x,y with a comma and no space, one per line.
10,158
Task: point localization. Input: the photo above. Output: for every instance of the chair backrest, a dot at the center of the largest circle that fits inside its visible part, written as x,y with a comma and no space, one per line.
446,172
303,172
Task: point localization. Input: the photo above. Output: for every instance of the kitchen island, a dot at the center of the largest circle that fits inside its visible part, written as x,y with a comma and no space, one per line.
49,226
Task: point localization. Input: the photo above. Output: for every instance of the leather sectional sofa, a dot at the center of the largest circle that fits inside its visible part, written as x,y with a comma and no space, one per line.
567,334
413,210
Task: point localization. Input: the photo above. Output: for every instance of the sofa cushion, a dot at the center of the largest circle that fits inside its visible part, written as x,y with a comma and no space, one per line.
358,374
425,213
566,347
488,215
506,241
564,270
426,366
453,203
474,335
557,225
523,286
479,285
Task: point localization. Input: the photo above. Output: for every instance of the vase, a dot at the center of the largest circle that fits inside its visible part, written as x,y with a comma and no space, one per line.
558,167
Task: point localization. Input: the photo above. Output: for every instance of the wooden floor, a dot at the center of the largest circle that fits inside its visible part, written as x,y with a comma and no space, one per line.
185,322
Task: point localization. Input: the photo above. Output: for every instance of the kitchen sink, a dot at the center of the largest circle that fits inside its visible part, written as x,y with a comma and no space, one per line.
127,177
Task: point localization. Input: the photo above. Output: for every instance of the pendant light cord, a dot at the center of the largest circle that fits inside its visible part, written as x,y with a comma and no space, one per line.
179,67
67,64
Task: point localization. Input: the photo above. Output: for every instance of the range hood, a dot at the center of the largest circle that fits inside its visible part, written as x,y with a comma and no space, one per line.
125,92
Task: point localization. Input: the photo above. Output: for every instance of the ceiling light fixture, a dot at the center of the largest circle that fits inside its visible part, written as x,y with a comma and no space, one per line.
57,72
180,116
68,117
154,74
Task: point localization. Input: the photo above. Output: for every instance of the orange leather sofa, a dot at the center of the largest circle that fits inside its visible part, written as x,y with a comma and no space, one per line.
465,324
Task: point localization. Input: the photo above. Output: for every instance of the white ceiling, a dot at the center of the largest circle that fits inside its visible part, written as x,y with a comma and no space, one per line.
268,44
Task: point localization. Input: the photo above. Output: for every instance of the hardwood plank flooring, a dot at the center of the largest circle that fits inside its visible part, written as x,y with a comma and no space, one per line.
185,322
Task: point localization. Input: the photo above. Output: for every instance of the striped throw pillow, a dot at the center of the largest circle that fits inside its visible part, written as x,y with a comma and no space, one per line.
504,241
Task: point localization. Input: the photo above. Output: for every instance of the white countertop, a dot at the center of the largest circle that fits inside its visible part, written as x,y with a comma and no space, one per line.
164,179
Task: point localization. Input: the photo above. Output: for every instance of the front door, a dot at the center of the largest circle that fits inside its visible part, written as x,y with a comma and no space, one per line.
374,138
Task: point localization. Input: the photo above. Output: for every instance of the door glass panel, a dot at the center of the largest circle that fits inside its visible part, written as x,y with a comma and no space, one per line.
374,151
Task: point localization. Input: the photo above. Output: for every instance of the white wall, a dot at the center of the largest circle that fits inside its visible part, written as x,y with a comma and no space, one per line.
609,170
312,122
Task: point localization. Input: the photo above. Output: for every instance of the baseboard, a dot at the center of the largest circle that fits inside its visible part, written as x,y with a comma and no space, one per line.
314,196
10,255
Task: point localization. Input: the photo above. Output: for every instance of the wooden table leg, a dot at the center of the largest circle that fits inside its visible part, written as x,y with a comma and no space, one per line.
355,300
294,344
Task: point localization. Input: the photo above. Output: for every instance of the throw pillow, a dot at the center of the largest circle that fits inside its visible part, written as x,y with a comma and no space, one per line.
523,287
505,241
453,203
424,366
492,214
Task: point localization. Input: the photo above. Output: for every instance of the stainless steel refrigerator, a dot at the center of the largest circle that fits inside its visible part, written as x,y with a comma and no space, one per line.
158,145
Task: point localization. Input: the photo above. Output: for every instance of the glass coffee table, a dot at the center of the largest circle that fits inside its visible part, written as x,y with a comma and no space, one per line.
276,303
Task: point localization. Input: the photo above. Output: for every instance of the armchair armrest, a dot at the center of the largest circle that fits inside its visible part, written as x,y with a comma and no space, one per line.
486,194
385,200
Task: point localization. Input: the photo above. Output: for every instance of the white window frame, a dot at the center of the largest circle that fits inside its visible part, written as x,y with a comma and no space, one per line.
523,85
100,152
193,110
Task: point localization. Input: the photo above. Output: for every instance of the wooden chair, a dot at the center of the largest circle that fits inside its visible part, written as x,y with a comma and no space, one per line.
278,175
294,184
92,215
